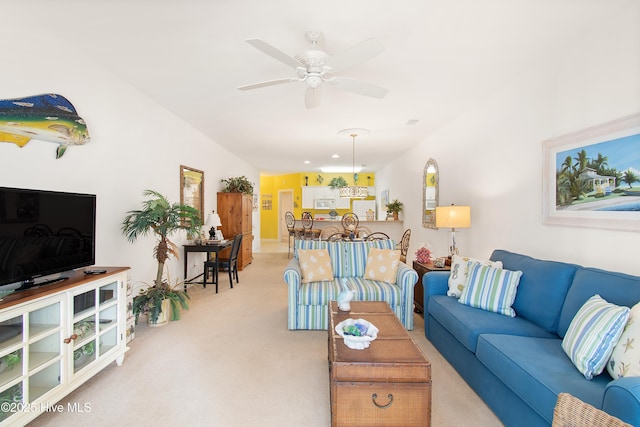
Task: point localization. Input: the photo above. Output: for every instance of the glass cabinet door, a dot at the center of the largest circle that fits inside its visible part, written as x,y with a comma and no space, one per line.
94,324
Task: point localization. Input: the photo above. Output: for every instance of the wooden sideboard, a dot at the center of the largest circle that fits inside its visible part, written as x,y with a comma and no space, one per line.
235,210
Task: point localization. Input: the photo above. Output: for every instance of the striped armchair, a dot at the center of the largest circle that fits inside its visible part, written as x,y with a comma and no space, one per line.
308,302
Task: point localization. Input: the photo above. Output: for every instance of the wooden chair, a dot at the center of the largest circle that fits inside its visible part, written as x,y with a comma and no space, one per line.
229,264
404,245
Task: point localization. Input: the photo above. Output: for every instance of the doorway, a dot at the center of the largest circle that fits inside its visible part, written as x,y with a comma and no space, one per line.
285,204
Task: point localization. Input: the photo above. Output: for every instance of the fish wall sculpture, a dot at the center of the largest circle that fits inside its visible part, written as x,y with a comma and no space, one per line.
48,117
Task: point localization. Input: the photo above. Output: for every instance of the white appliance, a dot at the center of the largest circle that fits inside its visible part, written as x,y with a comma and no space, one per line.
324,203
360,208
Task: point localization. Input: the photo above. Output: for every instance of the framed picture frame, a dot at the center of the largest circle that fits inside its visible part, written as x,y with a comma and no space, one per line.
591,178
384,201
192,189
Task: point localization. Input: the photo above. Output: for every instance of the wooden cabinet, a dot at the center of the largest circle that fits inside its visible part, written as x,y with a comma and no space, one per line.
57,338
236,211
418,290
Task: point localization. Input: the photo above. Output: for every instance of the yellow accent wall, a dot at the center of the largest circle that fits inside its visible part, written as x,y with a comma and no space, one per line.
270,185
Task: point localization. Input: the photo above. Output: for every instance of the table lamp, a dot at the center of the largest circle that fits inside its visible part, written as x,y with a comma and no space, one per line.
213,221
453,217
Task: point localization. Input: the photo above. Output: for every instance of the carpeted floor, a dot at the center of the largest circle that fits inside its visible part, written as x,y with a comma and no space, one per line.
231,361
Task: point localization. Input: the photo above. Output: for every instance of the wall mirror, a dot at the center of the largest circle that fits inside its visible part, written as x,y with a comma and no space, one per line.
430,181
192,188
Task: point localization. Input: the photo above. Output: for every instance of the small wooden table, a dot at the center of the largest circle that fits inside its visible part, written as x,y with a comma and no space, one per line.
418,289
387,384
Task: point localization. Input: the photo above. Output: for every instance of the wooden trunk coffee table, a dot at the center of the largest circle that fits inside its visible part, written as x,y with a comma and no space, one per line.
387,384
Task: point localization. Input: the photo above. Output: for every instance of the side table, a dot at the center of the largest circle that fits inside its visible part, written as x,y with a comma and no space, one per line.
418,290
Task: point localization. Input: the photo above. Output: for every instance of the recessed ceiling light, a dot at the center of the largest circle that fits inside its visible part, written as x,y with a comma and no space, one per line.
306,162
335,156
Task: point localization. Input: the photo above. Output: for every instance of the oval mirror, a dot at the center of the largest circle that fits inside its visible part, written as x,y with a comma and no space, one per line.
430,182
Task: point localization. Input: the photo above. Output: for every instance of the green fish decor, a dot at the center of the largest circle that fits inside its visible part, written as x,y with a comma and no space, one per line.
48,117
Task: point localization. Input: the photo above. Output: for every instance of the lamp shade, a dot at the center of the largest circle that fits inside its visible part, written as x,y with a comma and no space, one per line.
453,216
213,220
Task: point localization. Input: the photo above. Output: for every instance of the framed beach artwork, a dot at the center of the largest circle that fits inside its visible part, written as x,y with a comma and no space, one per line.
591,178
192,189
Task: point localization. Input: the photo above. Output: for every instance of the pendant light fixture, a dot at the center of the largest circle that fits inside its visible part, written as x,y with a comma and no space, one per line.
354,191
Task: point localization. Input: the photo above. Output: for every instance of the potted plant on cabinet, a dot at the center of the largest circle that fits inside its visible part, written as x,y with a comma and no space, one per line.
238,184
394,208
337,183
162,218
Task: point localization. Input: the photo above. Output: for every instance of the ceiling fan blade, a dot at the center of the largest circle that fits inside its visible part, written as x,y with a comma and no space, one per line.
312,97
359,87
274,52
268,83
355,55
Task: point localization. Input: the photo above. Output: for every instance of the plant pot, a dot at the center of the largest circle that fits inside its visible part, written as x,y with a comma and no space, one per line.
163,317
395,216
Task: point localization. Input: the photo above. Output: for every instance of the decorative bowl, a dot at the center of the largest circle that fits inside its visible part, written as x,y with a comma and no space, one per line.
357,342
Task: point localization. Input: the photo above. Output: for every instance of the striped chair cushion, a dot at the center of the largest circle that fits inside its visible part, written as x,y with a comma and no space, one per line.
369,290
319,293
593,333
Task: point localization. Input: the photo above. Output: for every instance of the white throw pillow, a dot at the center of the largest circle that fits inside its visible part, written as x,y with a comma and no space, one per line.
625,359
593,333
459,273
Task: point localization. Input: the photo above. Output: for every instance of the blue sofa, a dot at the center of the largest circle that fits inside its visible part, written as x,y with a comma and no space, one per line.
309,302
517,365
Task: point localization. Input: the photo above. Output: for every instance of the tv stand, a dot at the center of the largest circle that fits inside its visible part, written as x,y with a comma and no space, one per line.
65,333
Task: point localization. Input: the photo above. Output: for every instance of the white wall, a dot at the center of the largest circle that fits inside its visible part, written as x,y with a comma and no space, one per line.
491,157
136,145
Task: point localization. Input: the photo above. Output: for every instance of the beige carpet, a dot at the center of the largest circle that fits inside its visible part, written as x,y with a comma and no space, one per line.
232,362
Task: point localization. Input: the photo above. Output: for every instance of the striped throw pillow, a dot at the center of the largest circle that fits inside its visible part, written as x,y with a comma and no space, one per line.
490,288
593,333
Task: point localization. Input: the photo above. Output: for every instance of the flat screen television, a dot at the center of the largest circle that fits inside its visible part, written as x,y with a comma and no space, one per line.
43,233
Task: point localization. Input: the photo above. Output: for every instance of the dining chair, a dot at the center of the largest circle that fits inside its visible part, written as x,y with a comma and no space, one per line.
337,237
307,226
350,222
221,264
377,235
404,245
294,233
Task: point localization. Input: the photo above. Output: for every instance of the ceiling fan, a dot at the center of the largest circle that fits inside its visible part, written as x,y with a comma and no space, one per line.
315,67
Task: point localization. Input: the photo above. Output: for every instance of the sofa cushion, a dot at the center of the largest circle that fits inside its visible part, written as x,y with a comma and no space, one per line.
315,265
537,370
349,259
467,323
543,287
625,359
319,293
371,290
490,288
382,265
459,273
593,333
616,288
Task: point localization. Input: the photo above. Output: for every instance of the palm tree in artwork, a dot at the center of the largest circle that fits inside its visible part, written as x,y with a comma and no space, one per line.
582,159
629,177
600,163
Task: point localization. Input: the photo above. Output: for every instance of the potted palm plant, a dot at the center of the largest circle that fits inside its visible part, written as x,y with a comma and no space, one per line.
394,208
162,218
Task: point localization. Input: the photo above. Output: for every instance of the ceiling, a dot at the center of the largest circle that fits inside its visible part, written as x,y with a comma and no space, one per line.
440,57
